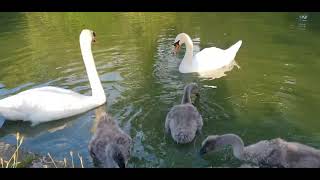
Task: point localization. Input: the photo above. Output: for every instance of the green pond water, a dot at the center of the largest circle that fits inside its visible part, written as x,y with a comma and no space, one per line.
275,93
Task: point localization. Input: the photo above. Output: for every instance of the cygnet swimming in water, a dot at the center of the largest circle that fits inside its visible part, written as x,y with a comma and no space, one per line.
267,153
184,121
110,147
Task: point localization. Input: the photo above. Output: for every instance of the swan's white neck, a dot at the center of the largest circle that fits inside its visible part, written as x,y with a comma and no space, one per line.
187,59
95,83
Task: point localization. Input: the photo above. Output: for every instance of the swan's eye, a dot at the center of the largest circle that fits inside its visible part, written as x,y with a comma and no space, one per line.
94,34
176,43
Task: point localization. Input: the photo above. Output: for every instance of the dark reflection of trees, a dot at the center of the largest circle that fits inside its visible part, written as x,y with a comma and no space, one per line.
11,26
314,18
35,55
6,19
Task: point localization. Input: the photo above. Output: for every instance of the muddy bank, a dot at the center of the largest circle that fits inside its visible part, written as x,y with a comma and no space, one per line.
29,159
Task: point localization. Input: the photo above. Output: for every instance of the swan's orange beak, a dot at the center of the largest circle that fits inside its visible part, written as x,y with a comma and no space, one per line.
176,48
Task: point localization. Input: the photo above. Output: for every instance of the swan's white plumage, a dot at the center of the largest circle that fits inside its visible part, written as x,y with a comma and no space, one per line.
51,103
208,59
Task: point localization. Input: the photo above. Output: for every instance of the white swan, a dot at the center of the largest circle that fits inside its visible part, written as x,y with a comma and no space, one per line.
51,103
206,60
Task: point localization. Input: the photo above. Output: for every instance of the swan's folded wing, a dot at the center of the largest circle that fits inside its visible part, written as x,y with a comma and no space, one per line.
56,99
212,58
45,104
51,89
210,53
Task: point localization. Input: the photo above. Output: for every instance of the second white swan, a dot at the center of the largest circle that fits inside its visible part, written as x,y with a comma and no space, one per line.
51,103
208,59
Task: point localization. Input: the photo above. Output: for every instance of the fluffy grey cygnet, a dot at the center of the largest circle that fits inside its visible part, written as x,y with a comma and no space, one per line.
184,121
110,147
267,153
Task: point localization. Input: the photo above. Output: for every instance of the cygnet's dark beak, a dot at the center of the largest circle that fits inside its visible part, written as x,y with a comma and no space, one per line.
202,152
2,120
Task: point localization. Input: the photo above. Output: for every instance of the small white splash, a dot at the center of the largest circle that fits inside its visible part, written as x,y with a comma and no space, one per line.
213,87
52,130
196,39
303,17
292,81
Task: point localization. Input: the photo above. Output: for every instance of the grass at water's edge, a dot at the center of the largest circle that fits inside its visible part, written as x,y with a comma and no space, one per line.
13,161
35,161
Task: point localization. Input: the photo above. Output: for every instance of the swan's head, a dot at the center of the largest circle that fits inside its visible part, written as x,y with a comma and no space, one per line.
180,39
209,144
114,157
194,88
88,35
111,157
217,142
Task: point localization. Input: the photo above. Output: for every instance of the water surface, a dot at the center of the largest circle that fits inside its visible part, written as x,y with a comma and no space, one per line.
275,93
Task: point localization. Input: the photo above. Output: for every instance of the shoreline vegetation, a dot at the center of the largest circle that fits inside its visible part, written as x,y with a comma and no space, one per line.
13,156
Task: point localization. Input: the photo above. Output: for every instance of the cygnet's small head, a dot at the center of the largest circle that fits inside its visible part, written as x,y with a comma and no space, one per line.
111,158
180,39
211,143
195,88
88,35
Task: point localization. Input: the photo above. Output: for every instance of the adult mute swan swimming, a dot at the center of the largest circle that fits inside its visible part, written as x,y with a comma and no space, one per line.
52,103
206,60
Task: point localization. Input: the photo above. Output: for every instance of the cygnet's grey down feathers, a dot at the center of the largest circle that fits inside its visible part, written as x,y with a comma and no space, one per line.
109,147
184,121
267,153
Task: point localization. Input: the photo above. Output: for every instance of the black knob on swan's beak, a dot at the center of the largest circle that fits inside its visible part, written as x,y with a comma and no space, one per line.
176,43
176,48
94,36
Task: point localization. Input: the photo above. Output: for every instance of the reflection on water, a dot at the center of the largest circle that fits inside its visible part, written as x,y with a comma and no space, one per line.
275,93
25,129
218,73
